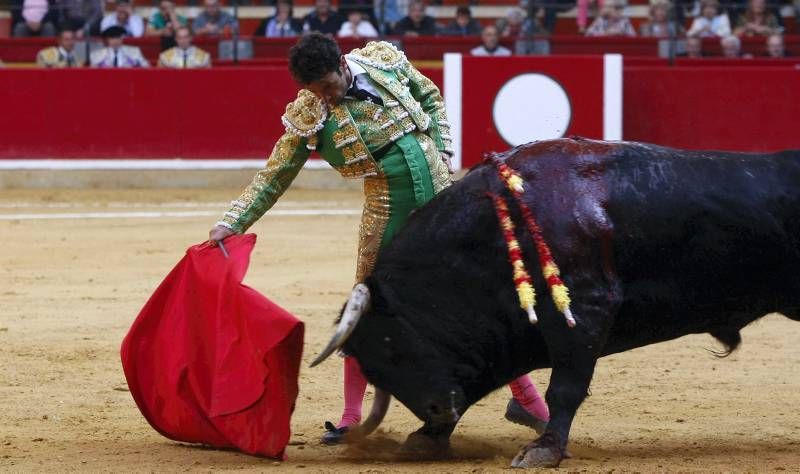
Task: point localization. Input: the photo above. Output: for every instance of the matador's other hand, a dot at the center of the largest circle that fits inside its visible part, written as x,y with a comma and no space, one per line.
446,159
219,233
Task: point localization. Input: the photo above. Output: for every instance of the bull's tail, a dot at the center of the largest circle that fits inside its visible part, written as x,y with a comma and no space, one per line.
379,408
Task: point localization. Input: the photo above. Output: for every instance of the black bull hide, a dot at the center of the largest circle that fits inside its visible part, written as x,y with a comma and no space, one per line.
653,243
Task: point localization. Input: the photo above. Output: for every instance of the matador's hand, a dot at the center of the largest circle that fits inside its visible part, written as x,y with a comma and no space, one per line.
446,159
219,233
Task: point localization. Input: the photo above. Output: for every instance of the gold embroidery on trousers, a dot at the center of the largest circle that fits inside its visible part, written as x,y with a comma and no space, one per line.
377,211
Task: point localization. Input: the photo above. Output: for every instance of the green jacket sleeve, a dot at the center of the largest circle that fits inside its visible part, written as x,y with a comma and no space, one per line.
285,161
429,97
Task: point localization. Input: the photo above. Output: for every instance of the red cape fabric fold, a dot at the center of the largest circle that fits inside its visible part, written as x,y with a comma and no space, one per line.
210,360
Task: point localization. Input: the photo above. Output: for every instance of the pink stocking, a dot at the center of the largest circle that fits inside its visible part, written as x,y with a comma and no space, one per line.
354,387
526,394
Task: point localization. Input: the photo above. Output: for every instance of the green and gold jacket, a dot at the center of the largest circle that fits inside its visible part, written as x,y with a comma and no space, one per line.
348,135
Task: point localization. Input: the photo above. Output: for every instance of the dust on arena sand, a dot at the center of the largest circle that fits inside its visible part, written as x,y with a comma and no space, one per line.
70,288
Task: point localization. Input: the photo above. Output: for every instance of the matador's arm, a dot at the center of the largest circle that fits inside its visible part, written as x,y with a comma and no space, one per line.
285,161
428,95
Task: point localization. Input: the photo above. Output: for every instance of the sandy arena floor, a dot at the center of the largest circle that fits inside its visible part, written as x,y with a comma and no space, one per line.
70,288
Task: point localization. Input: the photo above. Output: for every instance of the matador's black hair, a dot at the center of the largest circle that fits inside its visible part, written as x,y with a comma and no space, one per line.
313,57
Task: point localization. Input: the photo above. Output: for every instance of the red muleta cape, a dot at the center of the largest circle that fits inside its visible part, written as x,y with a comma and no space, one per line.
210,360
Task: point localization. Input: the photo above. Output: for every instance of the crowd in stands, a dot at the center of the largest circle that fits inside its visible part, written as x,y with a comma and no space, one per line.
114,20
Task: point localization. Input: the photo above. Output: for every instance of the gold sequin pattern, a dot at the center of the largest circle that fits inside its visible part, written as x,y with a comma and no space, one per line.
278,173
375,218
440,175
306,115
355,152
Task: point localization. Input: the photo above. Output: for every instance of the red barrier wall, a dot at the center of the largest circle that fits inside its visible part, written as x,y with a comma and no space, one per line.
235,113
730,108
216,113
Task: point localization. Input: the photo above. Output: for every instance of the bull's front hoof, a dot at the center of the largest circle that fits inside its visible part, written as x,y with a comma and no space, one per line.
422,446
535,455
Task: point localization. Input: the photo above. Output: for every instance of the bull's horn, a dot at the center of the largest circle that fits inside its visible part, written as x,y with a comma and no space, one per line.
358,302
379,408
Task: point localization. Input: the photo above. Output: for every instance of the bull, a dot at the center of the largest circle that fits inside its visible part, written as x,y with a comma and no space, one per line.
653,243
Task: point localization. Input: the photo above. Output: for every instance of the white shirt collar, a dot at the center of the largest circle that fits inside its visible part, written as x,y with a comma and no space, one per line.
355,69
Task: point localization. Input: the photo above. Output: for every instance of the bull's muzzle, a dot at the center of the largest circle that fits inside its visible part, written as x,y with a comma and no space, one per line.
355,307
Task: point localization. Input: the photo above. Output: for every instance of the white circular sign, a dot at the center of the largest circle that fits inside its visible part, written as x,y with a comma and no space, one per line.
531,107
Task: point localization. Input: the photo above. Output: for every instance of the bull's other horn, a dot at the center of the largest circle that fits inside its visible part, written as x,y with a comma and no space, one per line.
358,302
379,408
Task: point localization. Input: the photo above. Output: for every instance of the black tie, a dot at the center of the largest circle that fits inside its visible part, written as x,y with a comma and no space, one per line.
363,90
116,59
185,54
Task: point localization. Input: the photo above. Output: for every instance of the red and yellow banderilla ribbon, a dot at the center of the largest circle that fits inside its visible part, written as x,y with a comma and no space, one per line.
522,280
558,290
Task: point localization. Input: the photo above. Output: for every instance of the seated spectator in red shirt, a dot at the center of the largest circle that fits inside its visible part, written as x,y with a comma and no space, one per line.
463,24
775,47
711,21
32,18
323,19
660,24
511,25
490,44
357,26
417,23
612,21
757,21
281,24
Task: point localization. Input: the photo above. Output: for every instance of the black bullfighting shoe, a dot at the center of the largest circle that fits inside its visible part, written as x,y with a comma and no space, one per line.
334,435
516,413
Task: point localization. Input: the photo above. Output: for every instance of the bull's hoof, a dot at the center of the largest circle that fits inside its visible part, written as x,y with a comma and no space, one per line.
422,446
535,455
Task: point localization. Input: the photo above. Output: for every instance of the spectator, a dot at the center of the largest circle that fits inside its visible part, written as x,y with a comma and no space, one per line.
357,26
32,18
660,24
694,47
534,26
417,23
731,46
463,24
549,10
323,19
511,25
214,21
775,47
165,20
757,21
81,16
116,54
282,24
583,7
62,55
711,21
124,17
490,44
389,12
612,21
184,55
366,7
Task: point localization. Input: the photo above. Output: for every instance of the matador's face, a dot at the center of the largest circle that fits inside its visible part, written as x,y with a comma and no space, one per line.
333,86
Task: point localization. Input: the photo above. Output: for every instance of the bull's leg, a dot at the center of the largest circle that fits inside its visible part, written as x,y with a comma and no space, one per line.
569,384
432,440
